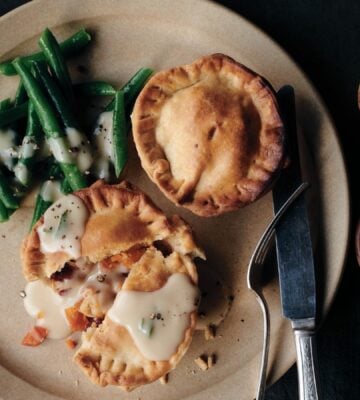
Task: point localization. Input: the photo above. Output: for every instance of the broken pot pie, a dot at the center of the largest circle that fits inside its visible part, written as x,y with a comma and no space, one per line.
106,261
209,134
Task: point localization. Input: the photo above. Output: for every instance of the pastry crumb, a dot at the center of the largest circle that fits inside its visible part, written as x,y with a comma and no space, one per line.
70,343
210,332
76,382
164,379
201,363
211,360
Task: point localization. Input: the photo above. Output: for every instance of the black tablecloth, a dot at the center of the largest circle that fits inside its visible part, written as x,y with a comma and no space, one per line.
323,36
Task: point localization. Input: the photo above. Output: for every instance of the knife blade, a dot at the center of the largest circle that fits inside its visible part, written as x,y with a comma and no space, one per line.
295,256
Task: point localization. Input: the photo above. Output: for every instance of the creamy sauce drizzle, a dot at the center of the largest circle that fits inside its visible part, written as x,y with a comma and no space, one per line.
28,147
59,149
63,227
44,304
51,191
22,173
103,133
80,148
8,148
48,306
173,302
26,150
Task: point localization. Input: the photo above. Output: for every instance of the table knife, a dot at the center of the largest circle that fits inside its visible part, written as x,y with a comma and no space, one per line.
295,257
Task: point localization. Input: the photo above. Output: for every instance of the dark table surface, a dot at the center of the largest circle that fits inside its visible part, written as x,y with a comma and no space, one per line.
323,37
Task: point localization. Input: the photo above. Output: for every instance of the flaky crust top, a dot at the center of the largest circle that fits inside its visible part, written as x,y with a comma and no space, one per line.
209,134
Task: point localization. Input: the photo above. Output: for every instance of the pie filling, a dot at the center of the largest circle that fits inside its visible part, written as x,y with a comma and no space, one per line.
79,294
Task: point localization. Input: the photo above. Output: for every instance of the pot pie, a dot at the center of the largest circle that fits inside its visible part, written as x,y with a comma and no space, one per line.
106,261
209,134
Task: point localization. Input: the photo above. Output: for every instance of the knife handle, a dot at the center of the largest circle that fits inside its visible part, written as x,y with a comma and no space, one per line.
307,364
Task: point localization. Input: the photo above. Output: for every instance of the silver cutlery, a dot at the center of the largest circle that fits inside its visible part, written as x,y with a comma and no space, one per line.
254,282
295,258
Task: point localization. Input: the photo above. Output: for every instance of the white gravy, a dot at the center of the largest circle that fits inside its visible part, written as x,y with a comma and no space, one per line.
48,307
51,191
21,171
8,148
59,149
173,303
63,227
103,136
44,304
80,148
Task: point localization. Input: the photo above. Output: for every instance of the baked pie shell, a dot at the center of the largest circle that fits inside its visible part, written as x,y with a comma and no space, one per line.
209,134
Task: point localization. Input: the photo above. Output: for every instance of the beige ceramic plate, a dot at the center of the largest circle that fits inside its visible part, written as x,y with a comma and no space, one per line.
160,34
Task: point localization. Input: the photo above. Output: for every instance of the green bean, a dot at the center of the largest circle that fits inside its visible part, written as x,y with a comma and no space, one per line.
132,88
54,92
4,213
41,206
48,168
6,194
95,88
20,96
73,175
119,133
65,187
77,140
30,144
5,104
69,47
44,110
10,154
13,114
51,127
56,60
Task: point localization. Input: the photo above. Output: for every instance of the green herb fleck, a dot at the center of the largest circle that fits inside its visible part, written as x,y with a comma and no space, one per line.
62,224
146,326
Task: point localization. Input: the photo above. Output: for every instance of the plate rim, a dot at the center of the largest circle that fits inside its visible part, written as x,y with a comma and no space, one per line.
317,99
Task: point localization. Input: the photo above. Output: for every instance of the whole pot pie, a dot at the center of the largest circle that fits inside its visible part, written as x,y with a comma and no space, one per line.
106,261
209,134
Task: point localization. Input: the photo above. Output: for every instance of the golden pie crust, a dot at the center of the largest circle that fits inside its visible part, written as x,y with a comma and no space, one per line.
108,354
209,134
121,217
